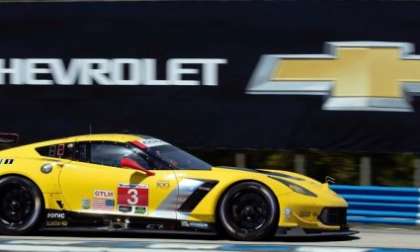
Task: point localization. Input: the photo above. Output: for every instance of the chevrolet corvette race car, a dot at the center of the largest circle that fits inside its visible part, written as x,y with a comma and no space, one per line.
142,184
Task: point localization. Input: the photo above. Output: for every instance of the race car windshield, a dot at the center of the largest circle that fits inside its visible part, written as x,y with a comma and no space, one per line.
178,158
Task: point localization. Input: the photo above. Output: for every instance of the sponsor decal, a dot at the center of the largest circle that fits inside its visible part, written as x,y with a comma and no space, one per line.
7,161
190,224
101,194
86,203
117,71
164,184
133,195
103,200
152,142
56,223
125,209
140,210
56,215
366,76
103,204
56,219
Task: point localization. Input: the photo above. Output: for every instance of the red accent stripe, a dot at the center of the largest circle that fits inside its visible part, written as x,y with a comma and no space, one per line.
140,145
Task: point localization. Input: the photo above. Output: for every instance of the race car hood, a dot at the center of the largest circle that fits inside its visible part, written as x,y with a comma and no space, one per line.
296,178
292,176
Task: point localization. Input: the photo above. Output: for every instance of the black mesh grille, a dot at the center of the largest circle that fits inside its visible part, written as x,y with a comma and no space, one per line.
334,216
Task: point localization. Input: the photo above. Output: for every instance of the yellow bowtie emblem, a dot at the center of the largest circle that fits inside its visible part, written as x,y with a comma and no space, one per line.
378,76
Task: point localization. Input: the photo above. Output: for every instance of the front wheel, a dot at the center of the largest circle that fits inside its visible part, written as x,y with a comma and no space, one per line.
248,211
21,206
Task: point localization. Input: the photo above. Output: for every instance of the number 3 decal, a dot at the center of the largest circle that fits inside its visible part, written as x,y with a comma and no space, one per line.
133,195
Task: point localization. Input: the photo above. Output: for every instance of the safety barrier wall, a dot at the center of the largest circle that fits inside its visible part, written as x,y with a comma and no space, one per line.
381,204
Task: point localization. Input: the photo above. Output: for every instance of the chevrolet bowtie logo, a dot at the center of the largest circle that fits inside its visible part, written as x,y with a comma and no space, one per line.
379,76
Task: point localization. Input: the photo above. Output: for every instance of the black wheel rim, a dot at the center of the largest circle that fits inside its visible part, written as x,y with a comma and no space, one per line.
16,205
248,211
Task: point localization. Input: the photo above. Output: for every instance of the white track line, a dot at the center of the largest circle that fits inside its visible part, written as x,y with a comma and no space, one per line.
44,242
85,249
184,246
335,249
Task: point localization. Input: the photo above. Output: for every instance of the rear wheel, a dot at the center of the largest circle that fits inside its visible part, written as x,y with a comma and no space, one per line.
21,206
248,211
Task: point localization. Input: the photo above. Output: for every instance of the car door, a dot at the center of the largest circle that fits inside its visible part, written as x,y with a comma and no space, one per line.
95,183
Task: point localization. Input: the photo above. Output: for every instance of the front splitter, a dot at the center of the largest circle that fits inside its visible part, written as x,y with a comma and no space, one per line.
301,232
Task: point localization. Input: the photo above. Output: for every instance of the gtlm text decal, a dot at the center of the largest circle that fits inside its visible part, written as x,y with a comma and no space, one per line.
118,71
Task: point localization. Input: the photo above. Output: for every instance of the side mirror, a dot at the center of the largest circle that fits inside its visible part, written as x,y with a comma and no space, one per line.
131,164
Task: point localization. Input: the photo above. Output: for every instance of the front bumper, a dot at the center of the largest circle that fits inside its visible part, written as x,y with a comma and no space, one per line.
326,212
314,217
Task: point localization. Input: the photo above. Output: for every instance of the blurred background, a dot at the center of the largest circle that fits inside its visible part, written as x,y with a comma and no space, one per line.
400,169
219,116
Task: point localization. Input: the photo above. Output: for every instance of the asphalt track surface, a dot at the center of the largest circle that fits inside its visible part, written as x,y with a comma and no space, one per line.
369,239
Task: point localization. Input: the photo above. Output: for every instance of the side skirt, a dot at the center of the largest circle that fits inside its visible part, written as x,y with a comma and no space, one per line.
71,221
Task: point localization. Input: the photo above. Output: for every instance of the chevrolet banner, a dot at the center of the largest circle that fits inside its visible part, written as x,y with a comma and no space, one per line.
334,76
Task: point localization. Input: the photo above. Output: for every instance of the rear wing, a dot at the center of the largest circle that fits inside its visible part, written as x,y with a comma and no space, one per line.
8,139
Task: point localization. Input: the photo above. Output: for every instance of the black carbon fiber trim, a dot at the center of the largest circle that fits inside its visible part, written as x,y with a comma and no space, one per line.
197,196
282,175
336,216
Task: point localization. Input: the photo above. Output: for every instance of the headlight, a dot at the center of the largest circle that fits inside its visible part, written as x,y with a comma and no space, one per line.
295,187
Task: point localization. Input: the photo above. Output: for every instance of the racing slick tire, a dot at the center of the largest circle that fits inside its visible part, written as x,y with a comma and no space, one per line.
248,211
21,206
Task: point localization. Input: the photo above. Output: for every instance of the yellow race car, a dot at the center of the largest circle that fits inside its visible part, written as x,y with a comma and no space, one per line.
142,184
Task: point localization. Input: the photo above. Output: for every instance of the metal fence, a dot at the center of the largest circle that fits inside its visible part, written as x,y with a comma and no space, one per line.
381,204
